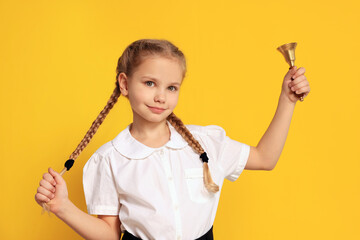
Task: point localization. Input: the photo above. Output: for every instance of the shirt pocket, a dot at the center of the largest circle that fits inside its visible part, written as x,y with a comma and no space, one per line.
194,178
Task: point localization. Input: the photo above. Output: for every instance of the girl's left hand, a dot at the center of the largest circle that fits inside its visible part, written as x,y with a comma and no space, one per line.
293,89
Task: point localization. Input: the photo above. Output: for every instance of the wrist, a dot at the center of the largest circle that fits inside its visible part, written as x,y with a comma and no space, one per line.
64,207
283,99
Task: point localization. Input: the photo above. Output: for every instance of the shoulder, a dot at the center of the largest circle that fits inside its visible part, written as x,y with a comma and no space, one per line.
109,148
104,154
98,157
213,134
105,148
209,130
103,159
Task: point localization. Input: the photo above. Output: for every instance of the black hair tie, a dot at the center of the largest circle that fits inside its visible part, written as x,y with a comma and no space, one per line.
204,157
69,163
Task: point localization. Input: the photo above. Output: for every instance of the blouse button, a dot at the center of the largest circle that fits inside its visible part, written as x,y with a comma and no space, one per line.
162,152
170,178
178,237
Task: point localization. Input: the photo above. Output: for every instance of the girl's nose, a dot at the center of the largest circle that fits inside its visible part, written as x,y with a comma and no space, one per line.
159,97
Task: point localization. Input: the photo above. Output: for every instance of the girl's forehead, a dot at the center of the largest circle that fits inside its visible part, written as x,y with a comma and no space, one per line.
159,67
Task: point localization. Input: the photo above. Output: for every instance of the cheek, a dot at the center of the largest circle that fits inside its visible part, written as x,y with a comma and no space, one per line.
139,96
174,99
133,98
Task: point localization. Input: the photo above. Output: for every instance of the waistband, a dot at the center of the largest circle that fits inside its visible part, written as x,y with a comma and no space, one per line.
207,236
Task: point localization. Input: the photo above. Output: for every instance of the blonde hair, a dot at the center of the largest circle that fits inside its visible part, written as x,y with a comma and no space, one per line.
131,58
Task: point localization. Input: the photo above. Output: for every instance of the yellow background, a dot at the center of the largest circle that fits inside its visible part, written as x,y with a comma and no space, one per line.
57,72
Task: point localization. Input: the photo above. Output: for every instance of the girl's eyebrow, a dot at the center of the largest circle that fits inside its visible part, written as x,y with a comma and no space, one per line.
174,83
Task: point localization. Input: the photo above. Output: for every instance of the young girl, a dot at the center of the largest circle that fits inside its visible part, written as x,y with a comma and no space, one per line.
158,178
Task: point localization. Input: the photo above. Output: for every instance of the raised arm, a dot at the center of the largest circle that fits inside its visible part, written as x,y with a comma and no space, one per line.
266,154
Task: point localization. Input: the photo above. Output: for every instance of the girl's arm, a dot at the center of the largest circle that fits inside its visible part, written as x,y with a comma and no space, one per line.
272,142
53,191
88,226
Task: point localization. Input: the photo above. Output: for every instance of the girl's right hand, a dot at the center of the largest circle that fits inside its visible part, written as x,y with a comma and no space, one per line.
53,191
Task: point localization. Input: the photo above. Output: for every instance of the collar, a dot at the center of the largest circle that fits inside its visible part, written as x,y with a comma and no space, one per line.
128,146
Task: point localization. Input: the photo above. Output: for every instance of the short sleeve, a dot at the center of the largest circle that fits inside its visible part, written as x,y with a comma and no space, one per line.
99,187
231,154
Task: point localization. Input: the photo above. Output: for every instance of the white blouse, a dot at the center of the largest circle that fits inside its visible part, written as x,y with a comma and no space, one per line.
159,193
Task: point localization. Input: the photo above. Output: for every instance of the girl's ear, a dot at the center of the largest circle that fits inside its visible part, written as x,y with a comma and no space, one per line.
123,84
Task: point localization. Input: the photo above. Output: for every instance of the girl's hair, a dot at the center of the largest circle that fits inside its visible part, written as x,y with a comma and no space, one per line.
132,57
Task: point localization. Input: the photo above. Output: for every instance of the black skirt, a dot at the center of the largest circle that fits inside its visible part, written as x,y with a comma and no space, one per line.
207,236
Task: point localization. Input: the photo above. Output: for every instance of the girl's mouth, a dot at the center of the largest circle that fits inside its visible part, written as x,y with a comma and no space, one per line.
156,110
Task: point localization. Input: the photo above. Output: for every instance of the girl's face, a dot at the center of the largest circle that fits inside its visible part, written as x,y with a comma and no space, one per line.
153,89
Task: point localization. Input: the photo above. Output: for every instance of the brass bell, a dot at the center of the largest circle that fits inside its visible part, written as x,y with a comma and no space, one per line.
288,51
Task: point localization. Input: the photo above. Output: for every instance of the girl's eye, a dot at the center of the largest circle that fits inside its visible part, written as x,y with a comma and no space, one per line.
147,83
151,83
172,88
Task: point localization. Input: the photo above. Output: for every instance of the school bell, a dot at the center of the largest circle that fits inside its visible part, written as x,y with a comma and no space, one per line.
288,51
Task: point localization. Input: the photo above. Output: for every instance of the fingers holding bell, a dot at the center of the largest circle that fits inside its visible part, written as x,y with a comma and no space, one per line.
299,84
300,90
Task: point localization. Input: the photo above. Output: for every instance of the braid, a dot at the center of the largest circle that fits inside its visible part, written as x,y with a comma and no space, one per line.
96,124
189,138
90,133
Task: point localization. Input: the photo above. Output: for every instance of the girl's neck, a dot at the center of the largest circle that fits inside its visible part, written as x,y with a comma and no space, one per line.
150,134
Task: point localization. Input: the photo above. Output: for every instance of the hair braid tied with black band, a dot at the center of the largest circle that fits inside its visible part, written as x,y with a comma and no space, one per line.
186,134
90,133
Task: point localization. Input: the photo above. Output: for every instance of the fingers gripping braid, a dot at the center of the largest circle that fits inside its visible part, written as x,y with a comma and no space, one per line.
46,207
189,138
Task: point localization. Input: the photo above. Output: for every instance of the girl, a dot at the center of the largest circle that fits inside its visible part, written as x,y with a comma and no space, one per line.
158,178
